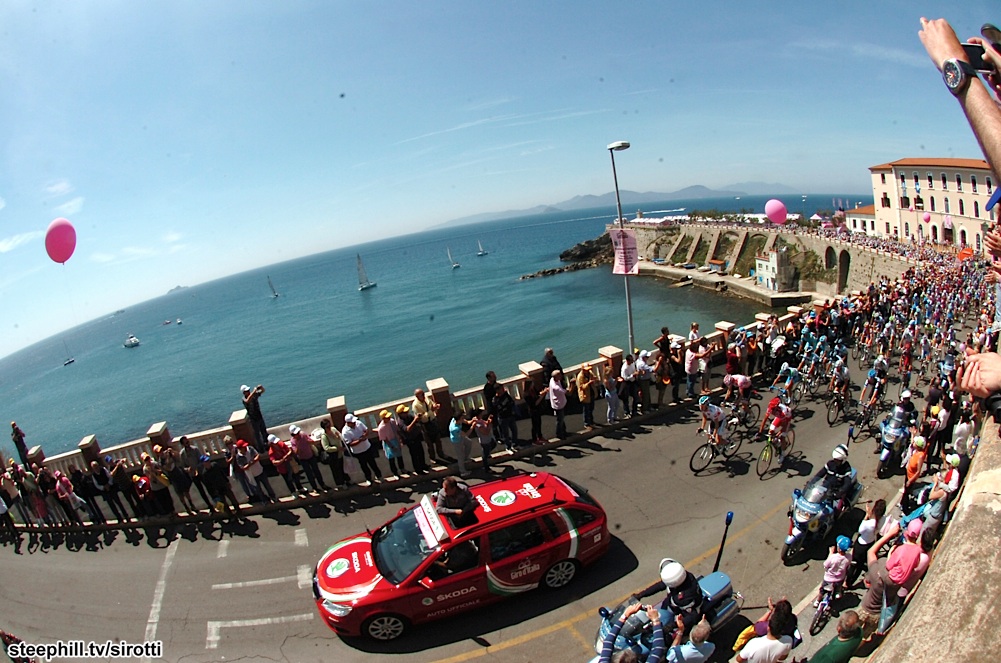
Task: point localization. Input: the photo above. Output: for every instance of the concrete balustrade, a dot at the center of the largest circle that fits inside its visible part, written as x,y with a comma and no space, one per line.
466,400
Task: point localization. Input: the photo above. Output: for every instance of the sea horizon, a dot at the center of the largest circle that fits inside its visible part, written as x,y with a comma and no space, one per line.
322,337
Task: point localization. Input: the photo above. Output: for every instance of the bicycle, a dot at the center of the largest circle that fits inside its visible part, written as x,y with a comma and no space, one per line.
771,450
743,416
707,452
823,612
790,398
905,383
839,405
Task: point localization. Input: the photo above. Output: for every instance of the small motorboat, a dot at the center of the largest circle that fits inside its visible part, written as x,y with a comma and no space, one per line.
179,321
166,322
131,341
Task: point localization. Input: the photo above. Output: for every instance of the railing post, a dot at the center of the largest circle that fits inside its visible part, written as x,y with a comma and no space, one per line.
36,456
239,421
90,450
337,407
159,434
438,389
615,354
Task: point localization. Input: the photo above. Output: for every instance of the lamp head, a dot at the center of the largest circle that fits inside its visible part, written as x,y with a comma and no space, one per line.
619,145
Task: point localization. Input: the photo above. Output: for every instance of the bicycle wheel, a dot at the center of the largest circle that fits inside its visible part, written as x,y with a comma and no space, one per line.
856,351
833,411
813,385
729,448
790,441
797,393
752,416
819,618
702,457
765,458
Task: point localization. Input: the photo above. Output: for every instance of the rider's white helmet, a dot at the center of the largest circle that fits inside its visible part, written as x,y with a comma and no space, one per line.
672,572
905,394
840,452
785,367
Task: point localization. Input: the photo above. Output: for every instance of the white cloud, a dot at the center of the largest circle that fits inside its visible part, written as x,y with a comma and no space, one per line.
59,188
172,237
863,51
8,244
71,207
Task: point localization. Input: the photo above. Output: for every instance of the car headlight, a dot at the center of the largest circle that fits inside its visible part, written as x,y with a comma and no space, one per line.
803,516
336,609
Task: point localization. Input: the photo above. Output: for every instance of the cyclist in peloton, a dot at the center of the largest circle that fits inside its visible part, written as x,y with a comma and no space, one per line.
713,421
791,376
742,384
877,380
840,378
780,416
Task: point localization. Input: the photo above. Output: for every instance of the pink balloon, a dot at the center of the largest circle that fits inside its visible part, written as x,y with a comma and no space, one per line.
926,217
776,211
60,240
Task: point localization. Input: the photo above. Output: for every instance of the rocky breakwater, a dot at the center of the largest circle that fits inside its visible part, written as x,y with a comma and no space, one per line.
587,254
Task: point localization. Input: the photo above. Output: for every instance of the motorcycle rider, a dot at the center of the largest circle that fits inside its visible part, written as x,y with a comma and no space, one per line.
836,475
684,596
905,414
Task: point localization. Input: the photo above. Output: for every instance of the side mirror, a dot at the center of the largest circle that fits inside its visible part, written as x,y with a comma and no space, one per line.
797,493
401,512
426,583
604,613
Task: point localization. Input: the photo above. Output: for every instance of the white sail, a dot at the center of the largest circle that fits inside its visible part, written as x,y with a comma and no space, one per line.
455,265
363,282
274,293
481,252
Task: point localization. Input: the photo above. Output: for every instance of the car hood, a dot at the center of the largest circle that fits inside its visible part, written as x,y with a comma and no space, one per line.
347,572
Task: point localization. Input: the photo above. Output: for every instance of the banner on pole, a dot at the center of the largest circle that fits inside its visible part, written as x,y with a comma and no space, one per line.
626,255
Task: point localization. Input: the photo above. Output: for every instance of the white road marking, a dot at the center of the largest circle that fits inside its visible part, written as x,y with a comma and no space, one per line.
214,633
303,578
223,547
301,539
161,586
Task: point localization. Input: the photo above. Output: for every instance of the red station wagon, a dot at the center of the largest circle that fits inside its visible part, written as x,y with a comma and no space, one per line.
530,530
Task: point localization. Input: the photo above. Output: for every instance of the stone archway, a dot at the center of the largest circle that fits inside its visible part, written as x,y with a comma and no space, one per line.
830,258
844,264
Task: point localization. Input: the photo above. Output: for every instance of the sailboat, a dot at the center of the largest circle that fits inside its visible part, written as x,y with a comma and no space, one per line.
274,293
481,252
69,357
363,282
455,265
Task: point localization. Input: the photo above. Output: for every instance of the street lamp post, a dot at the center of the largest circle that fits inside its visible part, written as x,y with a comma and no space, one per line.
618,146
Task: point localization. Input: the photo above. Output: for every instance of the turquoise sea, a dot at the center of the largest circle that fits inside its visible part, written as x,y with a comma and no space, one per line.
324,338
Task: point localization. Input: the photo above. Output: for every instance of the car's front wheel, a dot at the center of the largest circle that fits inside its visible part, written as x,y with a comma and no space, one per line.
560,574
384,627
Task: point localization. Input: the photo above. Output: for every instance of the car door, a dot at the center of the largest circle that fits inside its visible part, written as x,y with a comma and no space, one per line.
518,554
580,531
452,580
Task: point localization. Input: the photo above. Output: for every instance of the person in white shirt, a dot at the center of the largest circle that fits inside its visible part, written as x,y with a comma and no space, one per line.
558,401
355,436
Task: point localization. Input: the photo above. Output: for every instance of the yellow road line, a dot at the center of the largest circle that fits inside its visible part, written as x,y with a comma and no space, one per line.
569,623
582,640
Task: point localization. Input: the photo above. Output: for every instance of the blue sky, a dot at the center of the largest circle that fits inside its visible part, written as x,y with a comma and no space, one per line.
188,140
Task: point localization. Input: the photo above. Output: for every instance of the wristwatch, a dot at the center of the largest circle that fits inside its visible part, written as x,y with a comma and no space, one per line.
957,74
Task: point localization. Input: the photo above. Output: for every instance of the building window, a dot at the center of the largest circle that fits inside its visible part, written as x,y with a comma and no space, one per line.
978,243
916,182
931,181
962,237
885,200
934,233
919,203
932,199
905,202
959,182
907,229
945,182
903,180
976,209
887,227
989,184
882,178
962,208
854,224
946,205
973,183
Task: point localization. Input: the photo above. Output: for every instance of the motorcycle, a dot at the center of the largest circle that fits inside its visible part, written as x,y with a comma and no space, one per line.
723,604
894,438
812,514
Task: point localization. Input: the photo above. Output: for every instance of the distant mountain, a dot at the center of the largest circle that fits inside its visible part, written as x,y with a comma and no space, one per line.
604,200
764,189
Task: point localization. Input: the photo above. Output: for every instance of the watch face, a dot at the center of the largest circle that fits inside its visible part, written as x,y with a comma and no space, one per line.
953,74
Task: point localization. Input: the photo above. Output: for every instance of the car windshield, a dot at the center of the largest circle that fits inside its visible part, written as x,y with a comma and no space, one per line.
399,548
